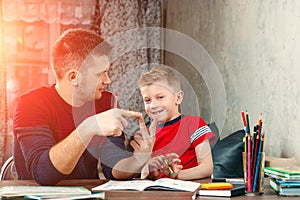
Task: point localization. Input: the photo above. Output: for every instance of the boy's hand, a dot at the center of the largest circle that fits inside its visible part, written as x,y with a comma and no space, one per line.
143,141
172,161
168,165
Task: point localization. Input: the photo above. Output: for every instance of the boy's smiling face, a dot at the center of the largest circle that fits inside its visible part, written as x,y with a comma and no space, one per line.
160,102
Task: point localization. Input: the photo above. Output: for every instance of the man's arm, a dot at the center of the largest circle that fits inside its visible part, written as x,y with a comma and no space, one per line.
34,144
65,155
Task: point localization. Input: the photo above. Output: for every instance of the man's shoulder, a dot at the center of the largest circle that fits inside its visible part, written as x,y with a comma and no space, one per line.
37,92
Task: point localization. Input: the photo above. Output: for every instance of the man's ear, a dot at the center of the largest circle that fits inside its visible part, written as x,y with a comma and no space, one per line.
179,97
74,77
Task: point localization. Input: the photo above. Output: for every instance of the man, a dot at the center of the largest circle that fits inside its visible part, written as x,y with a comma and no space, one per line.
53,126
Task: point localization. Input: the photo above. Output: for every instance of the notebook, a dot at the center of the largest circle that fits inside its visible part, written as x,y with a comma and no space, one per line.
237,190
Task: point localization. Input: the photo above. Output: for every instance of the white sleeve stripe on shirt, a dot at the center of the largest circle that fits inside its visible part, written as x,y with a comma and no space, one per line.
199,132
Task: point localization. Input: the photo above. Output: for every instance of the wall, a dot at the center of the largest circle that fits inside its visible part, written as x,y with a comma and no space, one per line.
256,46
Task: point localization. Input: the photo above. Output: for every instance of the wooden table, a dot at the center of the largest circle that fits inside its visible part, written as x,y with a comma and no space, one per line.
160,195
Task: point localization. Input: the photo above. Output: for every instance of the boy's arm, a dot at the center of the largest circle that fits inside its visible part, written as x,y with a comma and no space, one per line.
142,144
125,165
205,163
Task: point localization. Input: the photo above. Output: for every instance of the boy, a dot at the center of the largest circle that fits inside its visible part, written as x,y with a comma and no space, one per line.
187,136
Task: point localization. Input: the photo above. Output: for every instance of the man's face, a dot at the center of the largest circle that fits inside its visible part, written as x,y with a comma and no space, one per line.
95,78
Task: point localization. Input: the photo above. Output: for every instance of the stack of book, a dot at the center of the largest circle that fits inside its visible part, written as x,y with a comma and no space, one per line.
221,189
284,180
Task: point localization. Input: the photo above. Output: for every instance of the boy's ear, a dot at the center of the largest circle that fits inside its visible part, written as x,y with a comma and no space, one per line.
179,97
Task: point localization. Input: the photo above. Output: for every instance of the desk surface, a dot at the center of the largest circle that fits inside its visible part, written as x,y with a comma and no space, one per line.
161,195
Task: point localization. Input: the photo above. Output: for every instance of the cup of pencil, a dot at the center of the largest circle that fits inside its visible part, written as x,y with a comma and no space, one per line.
253,157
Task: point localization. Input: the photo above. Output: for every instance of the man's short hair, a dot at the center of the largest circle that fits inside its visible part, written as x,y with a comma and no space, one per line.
73,47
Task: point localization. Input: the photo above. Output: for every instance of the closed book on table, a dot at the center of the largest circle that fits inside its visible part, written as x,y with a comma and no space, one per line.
290,188
285,171
237,190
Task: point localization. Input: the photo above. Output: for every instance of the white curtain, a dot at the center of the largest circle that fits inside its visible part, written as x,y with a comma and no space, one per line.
50,11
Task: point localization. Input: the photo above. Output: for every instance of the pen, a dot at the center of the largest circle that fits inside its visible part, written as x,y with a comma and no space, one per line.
169,168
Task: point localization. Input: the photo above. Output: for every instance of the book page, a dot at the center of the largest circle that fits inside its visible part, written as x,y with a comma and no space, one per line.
160,184
124,185
175,184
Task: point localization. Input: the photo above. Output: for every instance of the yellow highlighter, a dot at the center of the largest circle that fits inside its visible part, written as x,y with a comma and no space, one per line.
217,186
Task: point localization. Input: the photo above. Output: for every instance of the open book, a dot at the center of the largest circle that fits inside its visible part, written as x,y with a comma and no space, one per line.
141,185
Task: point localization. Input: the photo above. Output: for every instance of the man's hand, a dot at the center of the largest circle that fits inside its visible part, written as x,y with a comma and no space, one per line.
110,122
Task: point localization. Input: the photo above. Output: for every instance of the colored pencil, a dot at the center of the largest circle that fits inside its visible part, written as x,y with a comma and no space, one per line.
258,163
249,187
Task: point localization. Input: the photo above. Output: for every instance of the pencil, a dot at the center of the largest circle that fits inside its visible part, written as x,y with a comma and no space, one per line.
248,123
245,129
262,165
258,163
249,187
244,119
169,168
258,136
253,152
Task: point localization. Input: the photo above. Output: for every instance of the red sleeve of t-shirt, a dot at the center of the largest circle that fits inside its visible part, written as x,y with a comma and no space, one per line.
199,131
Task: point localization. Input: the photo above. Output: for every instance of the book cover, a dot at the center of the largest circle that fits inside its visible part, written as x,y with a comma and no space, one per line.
285,171
234,181
237,190
141,185
283,189
291,179
284,184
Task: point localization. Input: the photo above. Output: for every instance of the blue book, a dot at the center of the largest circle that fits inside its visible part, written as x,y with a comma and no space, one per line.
284,188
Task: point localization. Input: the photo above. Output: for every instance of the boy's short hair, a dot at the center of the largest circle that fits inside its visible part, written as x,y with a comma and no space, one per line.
162,74
73,47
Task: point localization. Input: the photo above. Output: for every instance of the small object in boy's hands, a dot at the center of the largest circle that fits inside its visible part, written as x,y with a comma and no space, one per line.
217,186
169,168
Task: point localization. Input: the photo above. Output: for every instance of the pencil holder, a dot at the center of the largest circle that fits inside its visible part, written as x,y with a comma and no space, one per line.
254,173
